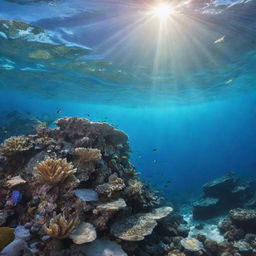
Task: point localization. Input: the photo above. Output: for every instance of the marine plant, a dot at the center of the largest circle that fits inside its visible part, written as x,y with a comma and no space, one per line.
53,171
61,226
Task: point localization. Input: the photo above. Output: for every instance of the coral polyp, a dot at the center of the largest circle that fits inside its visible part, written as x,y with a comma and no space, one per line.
53,171
61,226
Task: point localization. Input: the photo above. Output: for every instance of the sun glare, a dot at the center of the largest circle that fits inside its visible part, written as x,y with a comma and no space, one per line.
162,11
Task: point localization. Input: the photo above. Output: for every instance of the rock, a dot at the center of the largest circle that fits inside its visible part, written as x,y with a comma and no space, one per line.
16,248
211,245
14,181
191,244
206,208
225,225
243,247
136,227
22,233
88,195
103,247
133,228
84,233
245,218
112,206
219,187
160,213
183,230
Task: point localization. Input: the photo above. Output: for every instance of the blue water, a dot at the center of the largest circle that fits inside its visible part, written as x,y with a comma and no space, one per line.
188,123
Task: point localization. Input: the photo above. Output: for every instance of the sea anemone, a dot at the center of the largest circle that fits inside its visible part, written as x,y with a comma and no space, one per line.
53,171
60,226
15,144
86,155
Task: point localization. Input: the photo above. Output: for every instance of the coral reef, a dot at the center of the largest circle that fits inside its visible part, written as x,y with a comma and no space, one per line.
72,191
68,186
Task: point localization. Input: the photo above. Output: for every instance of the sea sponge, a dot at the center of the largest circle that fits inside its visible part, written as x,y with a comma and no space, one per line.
60,226
6,236
15,144
53,171
86,155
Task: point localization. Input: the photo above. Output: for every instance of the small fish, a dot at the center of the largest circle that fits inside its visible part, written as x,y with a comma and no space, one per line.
220,40
59,111
229,81
139,156
115,156
5,131
169,181
124,157
16,196
154,149
154,161
157,191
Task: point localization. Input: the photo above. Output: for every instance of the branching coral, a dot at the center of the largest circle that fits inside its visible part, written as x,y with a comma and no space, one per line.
16,144
60,226
53,171
86,155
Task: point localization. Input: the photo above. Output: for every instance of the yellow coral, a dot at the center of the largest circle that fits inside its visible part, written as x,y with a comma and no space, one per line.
86,155
53,171
6,236
15,144
60,226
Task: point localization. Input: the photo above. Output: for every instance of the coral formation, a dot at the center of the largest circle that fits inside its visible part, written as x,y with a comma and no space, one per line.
72,186
53,171
6,236
60,226
15,145
86,155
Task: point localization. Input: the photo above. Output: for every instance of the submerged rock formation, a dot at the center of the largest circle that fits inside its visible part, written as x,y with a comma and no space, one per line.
223,194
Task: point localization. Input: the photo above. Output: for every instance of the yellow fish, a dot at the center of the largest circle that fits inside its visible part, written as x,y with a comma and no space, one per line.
124,157
220,40
229,81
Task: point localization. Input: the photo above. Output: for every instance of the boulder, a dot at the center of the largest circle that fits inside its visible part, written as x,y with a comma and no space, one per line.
206,208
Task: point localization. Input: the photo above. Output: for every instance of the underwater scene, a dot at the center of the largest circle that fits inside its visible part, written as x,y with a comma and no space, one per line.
127,128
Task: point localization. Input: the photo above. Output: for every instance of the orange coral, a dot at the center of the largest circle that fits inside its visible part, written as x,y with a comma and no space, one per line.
53,171
60,226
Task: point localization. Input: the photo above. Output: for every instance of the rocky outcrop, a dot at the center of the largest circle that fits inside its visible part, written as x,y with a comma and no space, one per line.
223,194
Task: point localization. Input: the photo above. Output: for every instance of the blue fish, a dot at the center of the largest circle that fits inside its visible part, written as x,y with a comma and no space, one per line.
16,196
